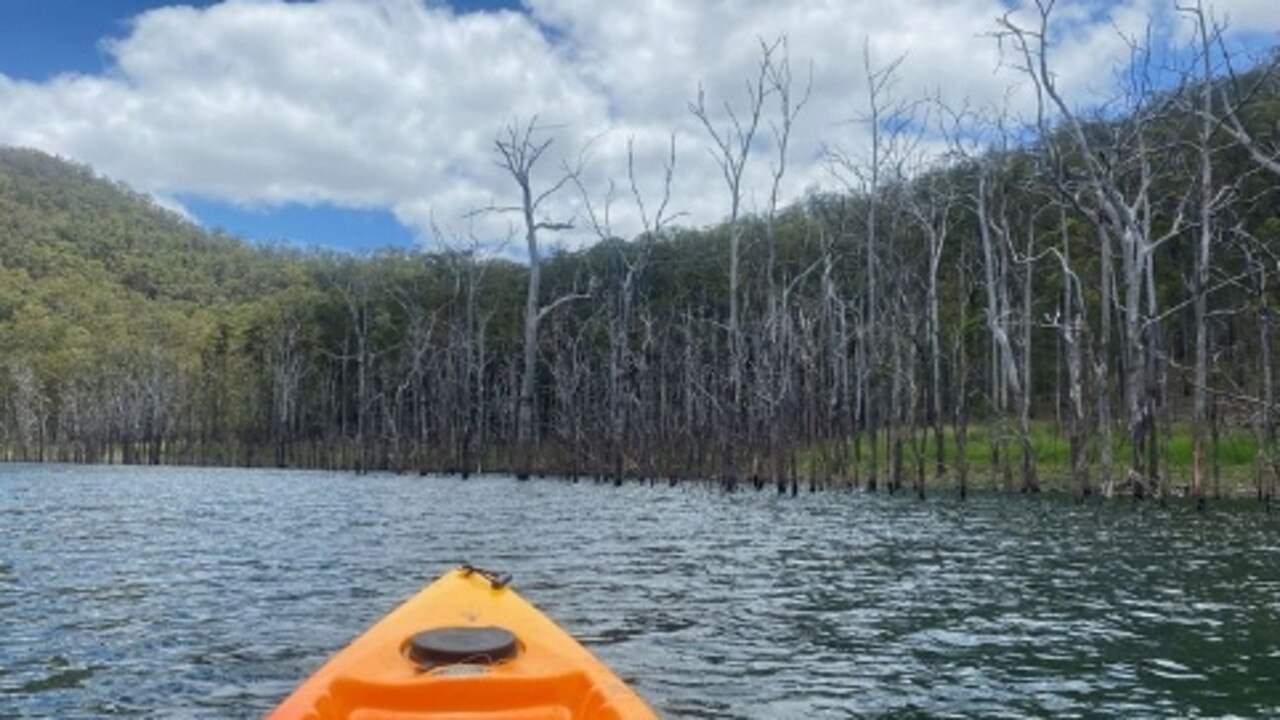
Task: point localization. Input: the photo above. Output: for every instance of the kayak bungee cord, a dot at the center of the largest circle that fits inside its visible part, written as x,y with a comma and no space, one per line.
497,580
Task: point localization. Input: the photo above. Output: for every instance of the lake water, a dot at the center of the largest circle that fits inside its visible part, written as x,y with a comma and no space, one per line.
162,592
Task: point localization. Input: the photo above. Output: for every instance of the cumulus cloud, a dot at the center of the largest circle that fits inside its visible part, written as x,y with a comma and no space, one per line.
395,104
1247,15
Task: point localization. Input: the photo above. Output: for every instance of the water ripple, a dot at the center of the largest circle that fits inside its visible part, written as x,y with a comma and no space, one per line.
194,593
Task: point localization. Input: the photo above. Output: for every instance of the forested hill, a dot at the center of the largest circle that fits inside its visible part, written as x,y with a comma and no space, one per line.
121,321
1092,305
62,220
108,302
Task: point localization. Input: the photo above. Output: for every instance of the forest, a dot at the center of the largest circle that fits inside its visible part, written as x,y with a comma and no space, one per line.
1077,301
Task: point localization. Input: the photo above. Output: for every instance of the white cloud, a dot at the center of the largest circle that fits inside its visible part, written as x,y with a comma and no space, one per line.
1260,16
395,104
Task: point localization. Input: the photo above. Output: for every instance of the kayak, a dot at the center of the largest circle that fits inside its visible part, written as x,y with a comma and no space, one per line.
465,648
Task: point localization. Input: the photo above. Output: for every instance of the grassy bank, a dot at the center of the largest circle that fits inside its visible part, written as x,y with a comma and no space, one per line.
1236,455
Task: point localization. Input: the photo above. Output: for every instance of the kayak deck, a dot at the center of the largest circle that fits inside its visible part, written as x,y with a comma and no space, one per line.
550,677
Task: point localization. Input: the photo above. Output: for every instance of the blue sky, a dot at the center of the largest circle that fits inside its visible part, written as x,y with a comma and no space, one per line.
359,124
42,38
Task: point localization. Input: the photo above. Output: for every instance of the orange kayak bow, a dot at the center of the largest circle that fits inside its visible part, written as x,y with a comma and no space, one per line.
465,648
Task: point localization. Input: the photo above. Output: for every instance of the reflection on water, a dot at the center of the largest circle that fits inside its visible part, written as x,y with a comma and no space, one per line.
211,593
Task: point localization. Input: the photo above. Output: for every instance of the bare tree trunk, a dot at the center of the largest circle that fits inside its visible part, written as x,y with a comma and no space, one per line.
1201,270
526,434
935,367
1102,365
1030,481
933,215
960,412
1268,397
1072,327
519,153
1003,369
355,293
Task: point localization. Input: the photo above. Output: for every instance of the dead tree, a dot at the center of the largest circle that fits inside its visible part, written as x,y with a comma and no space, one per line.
468,333
1072,327
990,213
1117,177
633,259
354,288
287,361
865,176
731,148
776,386
518,151
1204,243
931,209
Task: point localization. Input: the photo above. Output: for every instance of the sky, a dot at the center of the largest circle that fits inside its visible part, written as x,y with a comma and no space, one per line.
361,124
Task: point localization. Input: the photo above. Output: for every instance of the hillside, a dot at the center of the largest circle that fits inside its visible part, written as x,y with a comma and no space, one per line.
99,288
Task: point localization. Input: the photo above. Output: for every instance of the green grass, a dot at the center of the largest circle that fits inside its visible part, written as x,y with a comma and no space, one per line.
1236,453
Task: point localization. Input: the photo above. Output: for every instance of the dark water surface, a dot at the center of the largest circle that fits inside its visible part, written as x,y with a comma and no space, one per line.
164,592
